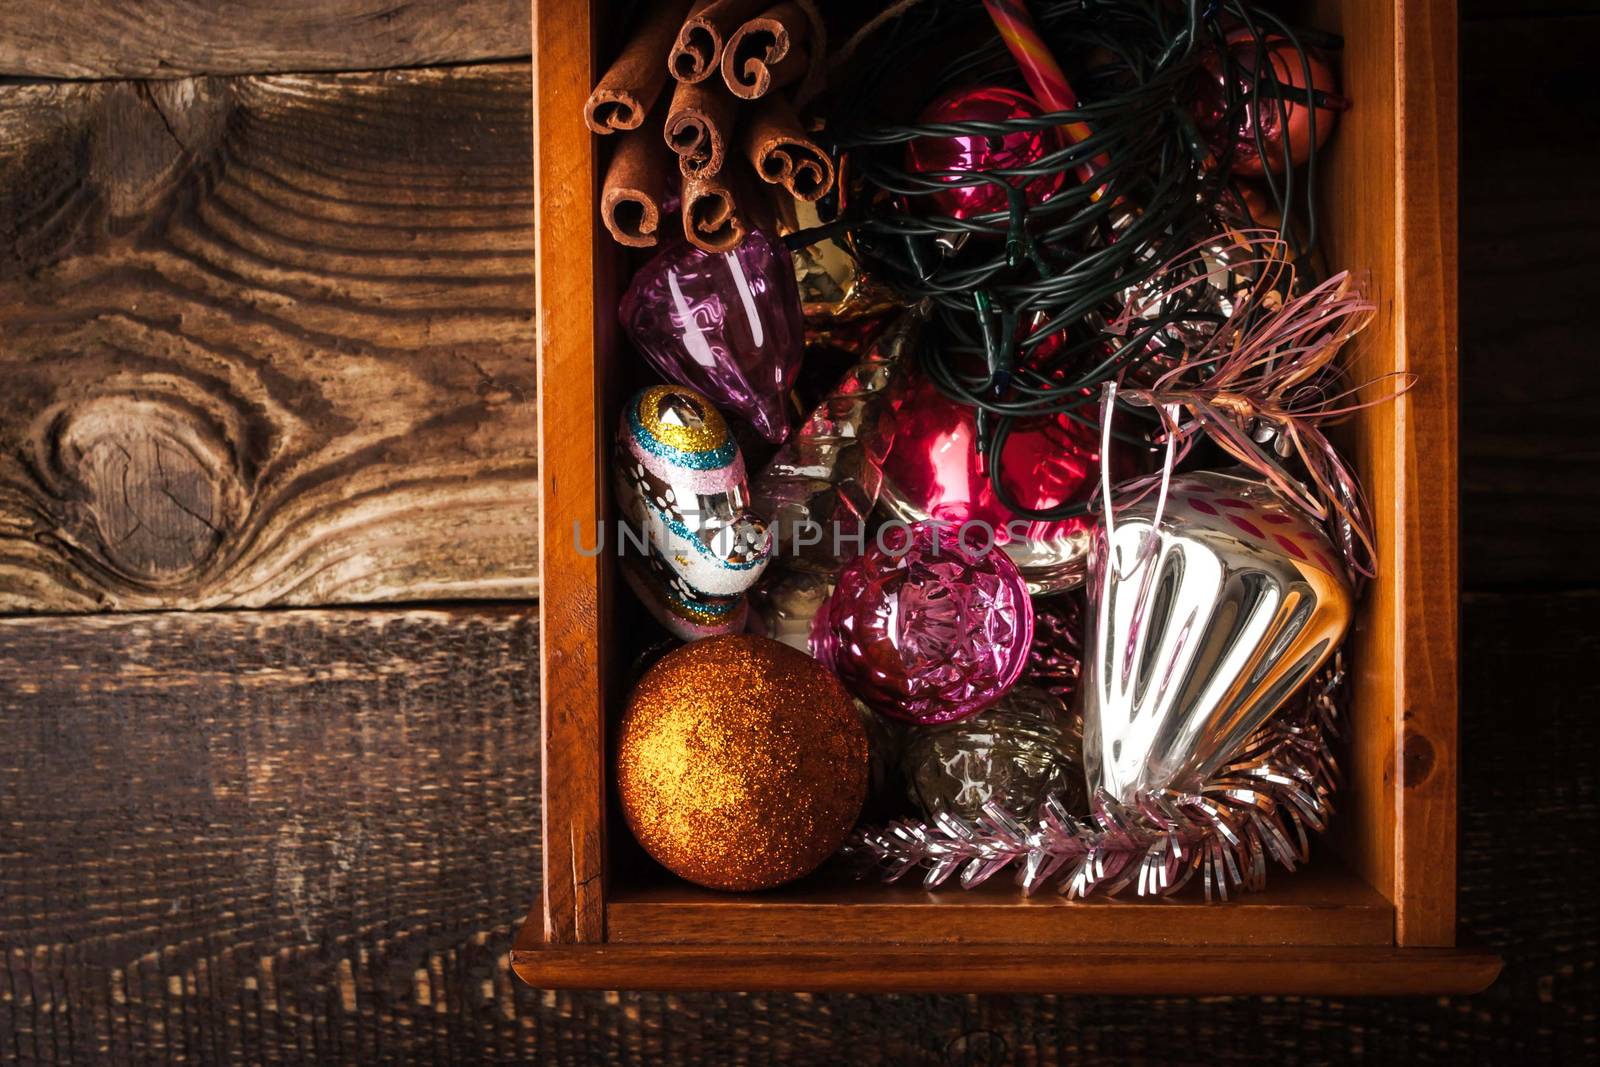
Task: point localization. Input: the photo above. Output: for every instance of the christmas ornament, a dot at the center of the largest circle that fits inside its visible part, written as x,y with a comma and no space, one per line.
924,627
1014,754
1187,304
725,323
1019,320
680,486
1264,95
1203,619
820,488
933,471
1056,657
685,615
1264,385
1248,206
1261,806
783,605
1044,75
852,335
741,763
833,289
957,158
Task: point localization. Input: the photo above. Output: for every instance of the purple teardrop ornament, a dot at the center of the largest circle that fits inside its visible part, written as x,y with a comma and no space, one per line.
726,323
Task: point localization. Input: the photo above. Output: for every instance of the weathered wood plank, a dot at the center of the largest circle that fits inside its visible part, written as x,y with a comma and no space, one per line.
257,836
173,38
267,341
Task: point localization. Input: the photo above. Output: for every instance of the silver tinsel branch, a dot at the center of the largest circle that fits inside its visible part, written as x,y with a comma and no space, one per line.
1261,805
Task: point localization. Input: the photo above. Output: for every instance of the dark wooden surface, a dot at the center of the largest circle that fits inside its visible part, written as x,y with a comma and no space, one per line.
266,340
171,38
296,836
1529,226
286,836
254,836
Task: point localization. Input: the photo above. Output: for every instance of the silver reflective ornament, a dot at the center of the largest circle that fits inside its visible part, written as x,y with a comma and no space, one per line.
1195,296
1197,636
783,606
817,493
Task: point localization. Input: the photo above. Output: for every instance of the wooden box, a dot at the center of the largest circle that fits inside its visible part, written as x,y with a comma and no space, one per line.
1374,912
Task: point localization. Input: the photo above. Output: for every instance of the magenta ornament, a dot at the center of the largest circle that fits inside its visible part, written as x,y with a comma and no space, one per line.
925,628
969,153
726,323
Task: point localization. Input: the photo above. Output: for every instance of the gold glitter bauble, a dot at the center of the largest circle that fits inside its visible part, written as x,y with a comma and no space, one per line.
742,763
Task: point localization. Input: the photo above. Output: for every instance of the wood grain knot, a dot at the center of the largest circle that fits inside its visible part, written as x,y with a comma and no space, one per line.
1418,758
313,296
147,485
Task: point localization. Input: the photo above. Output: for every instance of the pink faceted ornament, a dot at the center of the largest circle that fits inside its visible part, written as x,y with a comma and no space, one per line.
925,627
933,472
1277,120
968,153
726,323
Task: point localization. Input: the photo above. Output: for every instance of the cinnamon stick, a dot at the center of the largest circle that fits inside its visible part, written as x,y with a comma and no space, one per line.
629,88
782,153
711,218
758,201
638,183
699,127
768,52
697,51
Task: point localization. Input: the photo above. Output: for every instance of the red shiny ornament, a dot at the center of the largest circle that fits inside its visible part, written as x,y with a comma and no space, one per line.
1290,116
933,471
971,152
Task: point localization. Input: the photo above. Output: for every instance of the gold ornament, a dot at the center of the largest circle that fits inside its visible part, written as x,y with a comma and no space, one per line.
833,290
742,763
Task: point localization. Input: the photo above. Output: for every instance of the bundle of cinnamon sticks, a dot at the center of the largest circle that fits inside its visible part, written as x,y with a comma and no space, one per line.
730,122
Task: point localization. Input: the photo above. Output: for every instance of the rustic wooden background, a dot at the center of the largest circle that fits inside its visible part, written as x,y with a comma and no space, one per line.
266,348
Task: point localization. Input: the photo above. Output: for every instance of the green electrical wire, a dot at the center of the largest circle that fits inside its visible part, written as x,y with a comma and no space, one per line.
1006,285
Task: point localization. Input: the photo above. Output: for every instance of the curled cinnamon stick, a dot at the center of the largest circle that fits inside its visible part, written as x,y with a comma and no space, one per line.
782,153
697,51
699,126
629,88
638,183
710,216
758,202
768,52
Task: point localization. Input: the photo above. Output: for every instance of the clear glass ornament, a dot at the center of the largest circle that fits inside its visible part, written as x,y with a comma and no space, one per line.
1018,752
